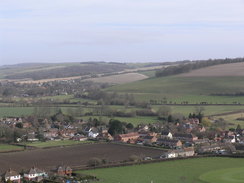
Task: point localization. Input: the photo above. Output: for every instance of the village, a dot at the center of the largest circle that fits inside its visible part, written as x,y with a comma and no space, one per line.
186,138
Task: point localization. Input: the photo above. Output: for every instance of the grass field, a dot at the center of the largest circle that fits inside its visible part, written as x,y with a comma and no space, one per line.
56,143
178,89
179,171
231,119
228,175
7,147
15,111
208,110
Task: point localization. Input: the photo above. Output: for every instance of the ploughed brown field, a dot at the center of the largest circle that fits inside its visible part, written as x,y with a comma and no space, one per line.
71,156
235,69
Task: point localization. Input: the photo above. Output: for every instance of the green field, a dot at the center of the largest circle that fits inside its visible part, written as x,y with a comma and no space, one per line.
179,171
228,175
178,89
7,147
15,111
55,143
231,119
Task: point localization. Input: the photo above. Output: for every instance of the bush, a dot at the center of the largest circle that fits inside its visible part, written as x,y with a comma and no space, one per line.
96,162
134,158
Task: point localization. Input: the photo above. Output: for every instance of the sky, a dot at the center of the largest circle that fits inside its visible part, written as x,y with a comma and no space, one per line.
120,30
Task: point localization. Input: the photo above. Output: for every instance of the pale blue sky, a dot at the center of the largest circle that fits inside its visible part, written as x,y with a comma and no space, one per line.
120,30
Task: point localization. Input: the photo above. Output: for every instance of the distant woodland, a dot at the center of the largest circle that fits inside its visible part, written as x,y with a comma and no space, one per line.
70,71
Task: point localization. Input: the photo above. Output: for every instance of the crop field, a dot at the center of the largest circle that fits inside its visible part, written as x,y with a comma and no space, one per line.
7,147
203,170
72,155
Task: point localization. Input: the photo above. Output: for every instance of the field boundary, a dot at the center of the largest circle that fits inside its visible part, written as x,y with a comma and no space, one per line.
114,165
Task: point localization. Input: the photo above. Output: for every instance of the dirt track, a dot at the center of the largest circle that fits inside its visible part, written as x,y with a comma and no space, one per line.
72,156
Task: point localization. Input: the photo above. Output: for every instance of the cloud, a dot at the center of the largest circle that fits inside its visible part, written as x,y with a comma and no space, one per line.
86,29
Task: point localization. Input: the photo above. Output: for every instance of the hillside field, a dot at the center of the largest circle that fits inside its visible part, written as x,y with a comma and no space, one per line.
234,69
119,78
178,171
177,89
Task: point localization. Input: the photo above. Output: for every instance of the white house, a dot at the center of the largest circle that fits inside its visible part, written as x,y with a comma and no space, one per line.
167,134
171,154
34,173
93,133
12,176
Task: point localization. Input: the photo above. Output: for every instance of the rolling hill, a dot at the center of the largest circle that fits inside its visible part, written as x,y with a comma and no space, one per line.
216,84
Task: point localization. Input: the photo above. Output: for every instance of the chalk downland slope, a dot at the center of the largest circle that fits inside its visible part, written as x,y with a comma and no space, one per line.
119,79
235,69
226,80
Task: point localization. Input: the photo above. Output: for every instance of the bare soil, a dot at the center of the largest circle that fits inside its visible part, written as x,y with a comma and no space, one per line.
236,69
72,156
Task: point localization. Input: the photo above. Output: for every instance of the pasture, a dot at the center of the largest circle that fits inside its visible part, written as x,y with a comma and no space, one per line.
54,143
231,119
228,175
8,147
176,171
177,89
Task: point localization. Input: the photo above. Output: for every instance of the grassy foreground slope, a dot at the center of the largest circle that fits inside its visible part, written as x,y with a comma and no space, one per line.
179,171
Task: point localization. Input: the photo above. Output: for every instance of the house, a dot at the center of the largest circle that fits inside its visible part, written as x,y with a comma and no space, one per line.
67,133
149,139
129,137
63,170
186,137
170,143
31,137
167,134
209,148
35,174
193,121
93,133
12,175
105,136
102,129
143,128
51,133
230,139
169,154
79,137
186,152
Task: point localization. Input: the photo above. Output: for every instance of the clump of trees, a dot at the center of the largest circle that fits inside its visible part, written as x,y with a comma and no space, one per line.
118,127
